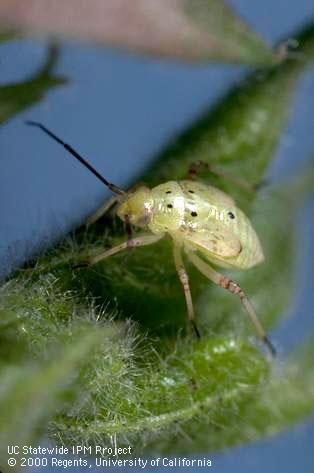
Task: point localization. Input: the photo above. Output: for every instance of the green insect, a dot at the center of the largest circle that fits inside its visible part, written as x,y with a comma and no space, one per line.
203,222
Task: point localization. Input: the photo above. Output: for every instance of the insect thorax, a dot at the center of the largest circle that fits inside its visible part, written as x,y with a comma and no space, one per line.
168,208
186,204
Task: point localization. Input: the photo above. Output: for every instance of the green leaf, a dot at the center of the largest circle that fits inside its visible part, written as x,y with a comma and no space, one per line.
192,382
30,392
191,30
15,98
8,35
225,36
287,398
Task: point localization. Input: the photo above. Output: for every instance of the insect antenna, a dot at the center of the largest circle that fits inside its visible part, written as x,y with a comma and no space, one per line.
76,155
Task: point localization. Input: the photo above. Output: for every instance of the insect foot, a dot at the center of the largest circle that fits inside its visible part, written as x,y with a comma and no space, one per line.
81,265
234,288
195,329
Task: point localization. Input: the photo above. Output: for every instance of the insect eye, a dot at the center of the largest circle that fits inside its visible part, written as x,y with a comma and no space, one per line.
169,206
191,192
168,192
194,214
231,215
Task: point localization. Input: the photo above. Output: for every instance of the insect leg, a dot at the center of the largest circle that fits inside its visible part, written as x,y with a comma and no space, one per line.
138,241
102,210
234,288
183,276
129,232
197,166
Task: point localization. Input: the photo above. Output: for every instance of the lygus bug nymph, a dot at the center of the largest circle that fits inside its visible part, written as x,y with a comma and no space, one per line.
202,221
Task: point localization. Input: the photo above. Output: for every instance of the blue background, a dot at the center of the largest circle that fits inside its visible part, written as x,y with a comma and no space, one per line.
120,110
